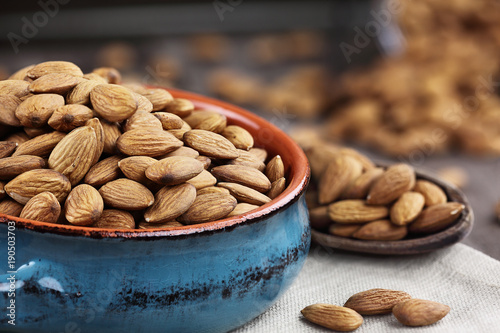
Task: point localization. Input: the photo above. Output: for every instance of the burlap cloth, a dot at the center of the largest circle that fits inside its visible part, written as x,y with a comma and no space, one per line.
461,277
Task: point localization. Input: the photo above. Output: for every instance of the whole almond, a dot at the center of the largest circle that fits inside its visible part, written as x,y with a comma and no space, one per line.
180,107
43,207
334,317
207,162
343,230
275,169
84,205
209,207
436,218
243,175
174,170
358,189
135,167
74,154
111,133
160,98
277,187
396,180
104,171
238,136
212,189
49,67
381,230
202,180
170,202
8,106
245,194
30,183
126,194
248,159
95,123
41,145
147,142
169,121
432,193
259,153
142,120
11,167
68,117
7,148
407,208
338,174
17,88
113,102
115,219
36,110
80,94
10,207
55,83
376,301
355,211
242,208
319,156
143,104
183,151
362,159
197,117
418,312
111,75
214,123
210,144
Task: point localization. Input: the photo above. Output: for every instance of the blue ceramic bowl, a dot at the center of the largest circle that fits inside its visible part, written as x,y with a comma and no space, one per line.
210,277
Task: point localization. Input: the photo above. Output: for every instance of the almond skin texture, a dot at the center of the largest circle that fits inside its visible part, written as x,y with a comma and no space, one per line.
41,145
242,208
36,110
376,301
95,123
202,180
355,211
169,121
55,83
68,117
113,102
180,107
135,167
7,148
245,194
126,194
115,219
174,170
432,193
396,180
74,155
160,98
334,317
275,169
248,159
243,175
8,106
143,104
183,151
209,207
142,120
436,218
338,174
407,208
343,230
80,94
382,230
111,133
43,207
277,187
170,202
166,225
210,144
103,172
48,67
11,167
238,136
418,312
147,142
17,88
84,205
28,184
10,207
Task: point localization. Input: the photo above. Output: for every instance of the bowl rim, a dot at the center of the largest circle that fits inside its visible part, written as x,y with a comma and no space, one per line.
447,237
299,178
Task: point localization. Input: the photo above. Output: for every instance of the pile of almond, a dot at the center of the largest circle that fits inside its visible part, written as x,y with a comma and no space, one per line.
354,198
407,310
82,149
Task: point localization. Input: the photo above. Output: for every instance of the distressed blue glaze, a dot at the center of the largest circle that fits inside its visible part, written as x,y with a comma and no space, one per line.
208,282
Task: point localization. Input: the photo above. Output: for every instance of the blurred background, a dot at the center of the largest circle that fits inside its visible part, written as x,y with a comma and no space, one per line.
401,80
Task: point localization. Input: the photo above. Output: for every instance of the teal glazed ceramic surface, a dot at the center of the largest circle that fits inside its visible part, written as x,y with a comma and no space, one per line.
211,277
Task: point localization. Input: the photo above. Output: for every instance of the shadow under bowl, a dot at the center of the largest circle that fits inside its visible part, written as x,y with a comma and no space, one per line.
209,277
